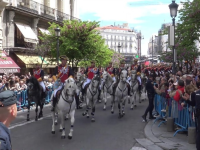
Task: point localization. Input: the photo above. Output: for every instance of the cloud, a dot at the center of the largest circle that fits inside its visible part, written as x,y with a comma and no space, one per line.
121,10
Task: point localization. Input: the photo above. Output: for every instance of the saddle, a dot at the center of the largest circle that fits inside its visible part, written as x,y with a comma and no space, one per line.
58,94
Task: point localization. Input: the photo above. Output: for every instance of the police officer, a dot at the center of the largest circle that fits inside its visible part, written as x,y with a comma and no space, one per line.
63,72
39,75
150,94
8,112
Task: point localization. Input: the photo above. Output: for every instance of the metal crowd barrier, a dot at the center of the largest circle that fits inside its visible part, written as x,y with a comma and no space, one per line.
22,98
183,116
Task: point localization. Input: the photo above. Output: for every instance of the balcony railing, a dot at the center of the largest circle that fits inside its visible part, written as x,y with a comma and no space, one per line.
39,9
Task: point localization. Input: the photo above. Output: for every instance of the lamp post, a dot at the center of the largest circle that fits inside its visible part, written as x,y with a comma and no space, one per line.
57,33
152,50
139,37
173,12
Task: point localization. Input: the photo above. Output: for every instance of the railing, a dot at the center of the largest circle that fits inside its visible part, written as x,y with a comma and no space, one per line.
183,116
22,98
39,9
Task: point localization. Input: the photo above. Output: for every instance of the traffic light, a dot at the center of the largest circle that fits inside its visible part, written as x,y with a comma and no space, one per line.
137,56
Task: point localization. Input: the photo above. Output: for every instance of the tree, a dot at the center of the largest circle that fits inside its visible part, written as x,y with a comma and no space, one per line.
80,41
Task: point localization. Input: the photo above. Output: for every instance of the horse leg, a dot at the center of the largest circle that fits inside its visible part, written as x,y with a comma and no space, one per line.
105,100
132,101
123,106
119,107
53,125
113,105
135,97
139,96
56,117
36,112
72,114
67,116
41,108
62,116
87,108
93,111
29,105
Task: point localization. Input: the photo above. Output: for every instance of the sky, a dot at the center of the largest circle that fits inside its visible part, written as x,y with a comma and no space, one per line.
146,16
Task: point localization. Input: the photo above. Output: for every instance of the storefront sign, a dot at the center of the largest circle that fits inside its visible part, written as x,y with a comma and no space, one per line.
9,70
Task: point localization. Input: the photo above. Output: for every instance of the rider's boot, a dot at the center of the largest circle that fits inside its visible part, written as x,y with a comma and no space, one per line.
54,104
77,102
129,90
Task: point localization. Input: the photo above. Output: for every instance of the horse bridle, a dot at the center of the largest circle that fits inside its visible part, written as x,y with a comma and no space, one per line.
91,92
67,95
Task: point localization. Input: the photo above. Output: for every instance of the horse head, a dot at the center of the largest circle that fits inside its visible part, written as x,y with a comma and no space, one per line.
124,75
70,89
133,75
95,81
32,83
105,76
79,76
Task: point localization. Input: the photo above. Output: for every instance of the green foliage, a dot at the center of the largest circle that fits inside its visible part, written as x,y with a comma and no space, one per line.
80,42
187,32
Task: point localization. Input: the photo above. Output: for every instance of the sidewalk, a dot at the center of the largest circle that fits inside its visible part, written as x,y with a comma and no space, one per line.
157,138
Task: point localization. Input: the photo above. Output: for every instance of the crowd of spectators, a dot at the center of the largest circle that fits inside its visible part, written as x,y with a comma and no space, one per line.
18,83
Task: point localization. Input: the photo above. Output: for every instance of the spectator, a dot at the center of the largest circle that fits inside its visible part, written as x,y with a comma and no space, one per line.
161,88
23,86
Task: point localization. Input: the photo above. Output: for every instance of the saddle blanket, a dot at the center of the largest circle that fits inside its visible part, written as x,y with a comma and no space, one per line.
86,82
55,91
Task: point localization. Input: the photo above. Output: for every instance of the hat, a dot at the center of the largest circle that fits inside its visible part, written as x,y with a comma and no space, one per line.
63,57
7,98
122,62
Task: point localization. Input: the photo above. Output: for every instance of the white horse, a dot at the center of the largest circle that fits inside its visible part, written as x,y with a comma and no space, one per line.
134,84
66,105
107,87
92,96
121,93
79,81
144,80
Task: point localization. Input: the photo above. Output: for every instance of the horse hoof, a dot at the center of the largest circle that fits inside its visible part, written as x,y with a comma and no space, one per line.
104,108
132,108
28,119
62,137
66,118
60,130
69,137
93,120
83,114
88,116
140,102
112,112
36,119
53,132
135,105
56,123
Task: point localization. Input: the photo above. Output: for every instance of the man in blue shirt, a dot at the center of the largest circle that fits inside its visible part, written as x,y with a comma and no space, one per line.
8,112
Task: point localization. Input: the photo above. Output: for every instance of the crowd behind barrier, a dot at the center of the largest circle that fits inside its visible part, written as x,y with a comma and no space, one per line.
183,116
22,98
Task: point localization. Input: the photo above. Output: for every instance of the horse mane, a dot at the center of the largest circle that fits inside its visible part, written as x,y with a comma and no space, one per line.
34,81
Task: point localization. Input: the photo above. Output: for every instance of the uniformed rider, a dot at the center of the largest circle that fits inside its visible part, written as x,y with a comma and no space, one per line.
111,70
39,75
121,68
90,72
62,72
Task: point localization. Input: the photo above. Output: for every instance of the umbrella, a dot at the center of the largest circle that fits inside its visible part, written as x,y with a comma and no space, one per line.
146,63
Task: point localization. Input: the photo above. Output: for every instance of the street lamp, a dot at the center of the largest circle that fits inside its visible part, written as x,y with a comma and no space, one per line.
57,33
139,37
173,12
119,46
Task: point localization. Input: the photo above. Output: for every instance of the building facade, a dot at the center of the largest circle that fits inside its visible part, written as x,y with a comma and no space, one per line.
121,39
23,20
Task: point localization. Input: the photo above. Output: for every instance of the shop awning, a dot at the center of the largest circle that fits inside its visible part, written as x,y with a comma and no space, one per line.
29,35
44,31
7,65
31,61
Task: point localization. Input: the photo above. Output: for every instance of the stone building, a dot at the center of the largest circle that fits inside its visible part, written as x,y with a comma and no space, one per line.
21,23
121,39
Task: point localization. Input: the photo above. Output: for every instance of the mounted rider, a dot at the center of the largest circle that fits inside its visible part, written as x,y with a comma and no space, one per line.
38,73
111,70
62,72
121,68
137,67
90,72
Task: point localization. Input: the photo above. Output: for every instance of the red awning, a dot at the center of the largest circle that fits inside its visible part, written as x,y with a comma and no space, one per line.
7,65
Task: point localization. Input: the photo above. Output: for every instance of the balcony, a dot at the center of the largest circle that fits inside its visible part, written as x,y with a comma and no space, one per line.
40,10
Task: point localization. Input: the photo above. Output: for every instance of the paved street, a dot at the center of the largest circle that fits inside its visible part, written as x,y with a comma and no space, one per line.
107,133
